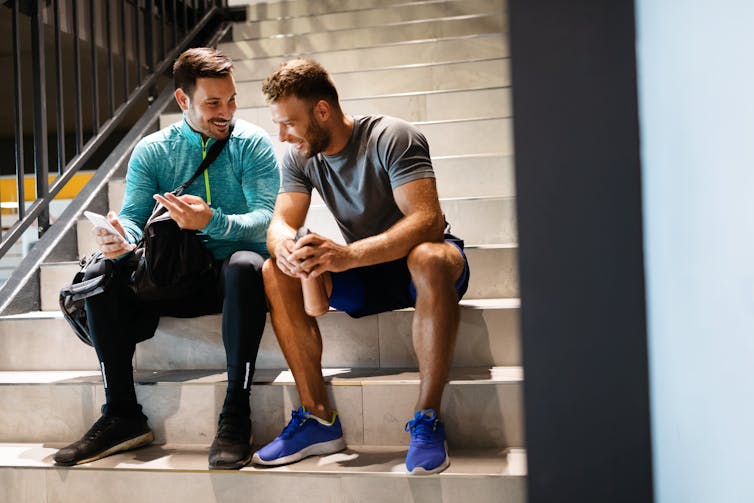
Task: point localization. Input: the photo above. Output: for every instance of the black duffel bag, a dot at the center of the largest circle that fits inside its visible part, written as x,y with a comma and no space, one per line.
170,262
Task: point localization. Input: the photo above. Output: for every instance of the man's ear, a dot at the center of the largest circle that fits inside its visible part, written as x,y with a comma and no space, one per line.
322,111
182,98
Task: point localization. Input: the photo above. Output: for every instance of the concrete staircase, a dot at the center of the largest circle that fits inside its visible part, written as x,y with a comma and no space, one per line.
440,64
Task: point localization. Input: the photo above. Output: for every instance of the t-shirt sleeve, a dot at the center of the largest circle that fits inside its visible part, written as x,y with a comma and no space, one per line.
404,152
293,175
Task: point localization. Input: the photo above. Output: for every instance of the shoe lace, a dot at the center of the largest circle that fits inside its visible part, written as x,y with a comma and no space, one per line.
101,425
298,418
423,425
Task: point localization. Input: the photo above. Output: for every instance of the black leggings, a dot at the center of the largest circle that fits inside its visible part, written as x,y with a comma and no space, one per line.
118,320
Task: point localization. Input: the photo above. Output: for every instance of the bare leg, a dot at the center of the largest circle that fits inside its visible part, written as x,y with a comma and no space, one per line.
435,267
299,338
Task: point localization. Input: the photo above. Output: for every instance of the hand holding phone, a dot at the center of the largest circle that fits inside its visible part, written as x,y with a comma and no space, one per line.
102,222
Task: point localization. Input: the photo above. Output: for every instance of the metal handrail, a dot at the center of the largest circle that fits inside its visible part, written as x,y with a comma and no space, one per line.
185,19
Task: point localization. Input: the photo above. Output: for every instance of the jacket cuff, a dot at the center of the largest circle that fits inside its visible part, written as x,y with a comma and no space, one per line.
218,226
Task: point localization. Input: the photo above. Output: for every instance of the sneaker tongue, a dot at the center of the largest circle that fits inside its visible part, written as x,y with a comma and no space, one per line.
298,417
423,423
428,413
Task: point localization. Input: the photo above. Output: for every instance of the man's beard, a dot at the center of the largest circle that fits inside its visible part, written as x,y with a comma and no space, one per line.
317,137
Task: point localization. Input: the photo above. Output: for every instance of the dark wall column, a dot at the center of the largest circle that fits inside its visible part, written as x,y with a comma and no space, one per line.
581,266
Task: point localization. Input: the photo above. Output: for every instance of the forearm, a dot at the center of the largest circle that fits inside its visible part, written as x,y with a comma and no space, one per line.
398,240
251,226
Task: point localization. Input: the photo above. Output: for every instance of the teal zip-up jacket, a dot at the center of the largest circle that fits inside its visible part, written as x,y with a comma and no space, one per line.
240,185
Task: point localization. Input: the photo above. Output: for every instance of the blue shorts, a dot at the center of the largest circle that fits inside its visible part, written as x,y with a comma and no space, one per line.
384,287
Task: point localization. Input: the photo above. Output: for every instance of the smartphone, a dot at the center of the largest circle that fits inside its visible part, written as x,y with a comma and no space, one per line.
101,221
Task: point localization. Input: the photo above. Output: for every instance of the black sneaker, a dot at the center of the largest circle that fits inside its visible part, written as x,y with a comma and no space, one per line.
110,434
231,449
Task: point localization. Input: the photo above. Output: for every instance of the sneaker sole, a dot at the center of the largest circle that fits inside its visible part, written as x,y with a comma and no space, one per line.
319,449
231,466
418,470
133,443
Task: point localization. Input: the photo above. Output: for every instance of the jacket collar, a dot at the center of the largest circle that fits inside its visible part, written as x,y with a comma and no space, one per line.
192,136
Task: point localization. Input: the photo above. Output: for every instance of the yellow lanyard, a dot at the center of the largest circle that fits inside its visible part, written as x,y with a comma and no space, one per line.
206,174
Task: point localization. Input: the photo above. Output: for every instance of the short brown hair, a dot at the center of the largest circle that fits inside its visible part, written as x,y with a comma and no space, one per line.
197,63
302,78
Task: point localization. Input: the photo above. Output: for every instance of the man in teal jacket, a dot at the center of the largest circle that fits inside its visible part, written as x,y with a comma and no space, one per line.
231,206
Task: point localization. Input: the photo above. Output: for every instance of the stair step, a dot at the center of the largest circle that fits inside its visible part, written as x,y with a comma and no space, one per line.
178,474
475,175
370,36
483,404
432,106
284,9
372,17
488,336
469,137
467,75
255,66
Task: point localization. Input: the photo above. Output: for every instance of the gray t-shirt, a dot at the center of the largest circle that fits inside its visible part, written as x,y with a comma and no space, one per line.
357,183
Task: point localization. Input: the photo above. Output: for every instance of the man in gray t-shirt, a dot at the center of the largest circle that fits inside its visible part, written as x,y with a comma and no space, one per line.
357,182
375,175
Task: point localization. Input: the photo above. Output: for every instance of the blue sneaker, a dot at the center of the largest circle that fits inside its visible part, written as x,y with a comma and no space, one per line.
428,451
306,435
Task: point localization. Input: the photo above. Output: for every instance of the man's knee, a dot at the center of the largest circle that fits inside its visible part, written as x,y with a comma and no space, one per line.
245,262
279,286
243,267
270,270
428,261
274,278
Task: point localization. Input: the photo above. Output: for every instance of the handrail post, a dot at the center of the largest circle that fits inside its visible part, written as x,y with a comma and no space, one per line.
18,85
40,113
95,66
60,92
149,45
77,79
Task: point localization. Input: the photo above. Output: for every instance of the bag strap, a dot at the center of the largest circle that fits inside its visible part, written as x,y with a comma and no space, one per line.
214,151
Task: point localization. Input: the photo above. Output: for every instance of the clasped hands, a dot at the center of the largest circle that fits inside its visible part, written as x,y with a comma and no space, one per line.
312,256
